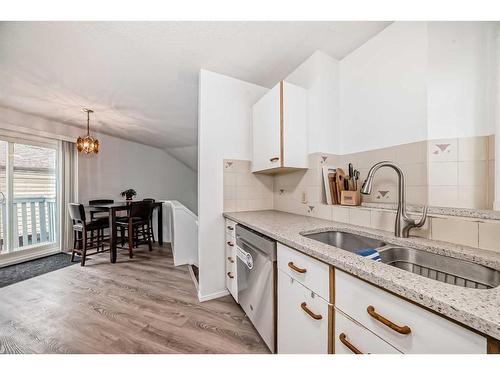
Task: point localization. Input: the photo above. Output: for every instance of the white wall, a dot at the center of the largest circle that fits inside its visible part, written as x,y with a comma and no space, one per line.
383,89
123,164
224,132
460,83
319,74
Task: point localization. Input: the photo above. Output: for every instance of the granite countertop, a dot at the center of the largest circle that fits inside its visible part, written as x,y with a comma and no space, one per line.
476,308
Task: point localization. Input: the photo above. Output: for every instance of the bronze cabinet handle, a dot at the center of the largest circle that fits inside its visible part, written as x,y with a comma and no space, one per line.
230,275
295,268
230,243
352,348
230,259
272,160
404,330
304,307
230,228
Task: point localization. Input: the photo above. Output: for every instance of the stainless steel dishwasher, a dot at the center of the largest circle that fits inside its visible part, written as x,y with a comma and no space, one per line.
256,270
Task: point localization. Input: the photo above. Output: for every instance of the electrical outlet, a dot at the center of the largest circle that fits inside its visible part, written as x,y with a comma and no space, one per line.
304,197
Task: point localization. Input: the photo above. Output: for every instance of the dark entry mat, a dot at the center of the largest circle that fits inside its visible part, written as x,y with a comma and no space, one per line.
27,270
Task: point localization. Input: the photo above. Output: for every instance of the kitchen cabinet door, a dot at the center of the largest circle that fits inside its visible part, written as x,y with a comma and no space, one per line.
280,130
266,131
303,318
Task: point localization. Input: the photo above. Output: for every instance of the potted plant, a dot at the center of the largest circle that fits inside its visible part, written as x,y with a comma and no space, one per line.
128,194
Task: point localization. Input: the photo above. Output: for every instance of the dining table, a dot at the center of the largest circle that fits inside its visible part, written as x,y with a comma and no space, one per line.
113,209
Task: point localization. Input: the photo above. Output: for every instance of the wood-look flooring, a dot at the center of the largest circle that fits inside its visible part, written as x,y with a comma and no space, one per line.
139,305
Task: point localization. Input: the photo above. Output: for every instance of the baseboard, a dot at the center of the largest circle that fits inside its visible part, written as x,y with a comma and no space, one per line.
210,296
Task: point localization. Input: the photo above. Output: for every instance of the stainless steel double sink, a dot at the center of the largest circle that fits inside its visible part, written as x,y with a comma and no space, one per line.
434,266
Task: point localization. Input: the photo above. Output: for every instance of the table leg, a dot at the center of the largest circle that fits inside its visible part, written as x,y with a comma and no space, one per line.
112,235
160,224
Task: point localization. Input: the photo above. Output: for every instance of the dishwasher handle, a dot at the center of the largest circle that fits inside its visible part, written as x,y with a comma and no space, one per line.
251,246
244,257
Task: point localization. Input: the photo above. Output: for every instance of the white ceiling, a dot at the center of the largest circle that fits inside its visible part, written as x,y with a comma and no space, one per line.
141,78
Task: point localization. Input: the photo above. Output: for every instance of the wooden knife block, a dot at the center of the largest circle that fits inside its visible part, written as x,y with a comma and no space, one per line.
350,198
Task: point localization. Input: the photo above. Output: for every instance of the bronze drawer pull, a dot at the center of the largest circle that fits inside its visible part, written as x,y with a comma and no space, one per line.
295,268
309,312
230,243
230,228
352,348
272,160
230,275
230,259
404,330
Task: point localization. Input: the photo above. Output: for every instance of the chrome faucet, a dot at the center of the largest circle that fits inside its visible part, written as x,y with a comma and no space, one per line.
403,222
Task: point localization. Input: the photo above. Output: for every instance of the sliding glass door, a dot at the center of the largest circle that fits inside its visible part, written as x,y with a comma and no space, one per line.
28,196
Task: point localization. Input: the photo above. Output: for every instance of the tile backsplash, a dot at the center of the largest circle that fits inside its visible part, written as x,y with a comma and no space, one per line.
244,190
455,172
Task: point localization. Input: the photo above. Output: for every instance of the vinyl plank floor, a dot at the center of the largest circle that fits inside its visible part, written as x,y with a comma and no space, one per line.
139,305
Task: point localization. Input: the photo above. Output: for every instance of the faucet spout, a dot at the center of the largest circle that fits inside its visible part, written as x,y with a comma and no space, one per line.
403,223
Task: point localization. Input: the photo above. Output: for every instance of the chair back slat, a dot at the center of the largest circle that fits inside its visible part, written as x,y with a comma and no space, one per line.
77,213
141,209
100,201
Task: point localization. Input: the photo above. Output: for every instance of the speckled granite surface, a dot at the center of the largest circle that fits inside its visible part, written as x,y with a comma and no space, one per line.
479,309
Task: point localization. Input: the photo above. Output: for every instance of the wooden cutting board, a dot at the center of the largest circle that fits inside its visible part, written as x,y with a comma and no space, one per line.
340,175
333,187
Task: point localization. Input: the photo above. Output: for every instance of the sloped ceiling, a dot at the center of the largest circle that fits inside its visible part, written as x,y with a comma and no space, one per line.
141,78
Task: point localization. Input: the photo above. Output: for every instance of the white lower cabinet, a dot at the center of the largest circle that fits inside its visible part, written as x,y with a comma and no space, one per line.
352,338
303,318
409,328
230,253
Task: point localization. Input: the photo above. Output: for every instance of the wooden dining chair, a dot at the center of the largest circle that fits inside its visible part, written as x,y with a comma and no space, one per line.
82,228
151,219
99,214
137,225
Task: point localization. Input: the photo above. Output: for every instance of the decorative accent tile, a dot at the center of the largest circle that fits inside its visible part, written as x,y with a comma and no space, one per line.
443,150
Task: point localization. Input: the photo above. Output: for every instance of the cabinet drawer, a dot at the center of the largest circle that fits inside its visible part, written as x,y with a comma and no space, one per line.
314,274
230,227
351,336
231,277
420,331
298,331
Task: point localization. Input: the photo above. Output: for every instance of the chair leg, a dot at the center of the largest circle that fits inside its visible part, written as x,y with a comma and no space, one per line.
84,247
122,234
149,238
130,239
152,231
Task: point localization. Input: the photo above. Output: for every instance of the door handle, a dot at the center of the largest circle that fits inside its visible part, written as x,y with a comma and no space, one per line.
404,330
352,348
230,259
295,268
230,243
230,275
272,160
304,307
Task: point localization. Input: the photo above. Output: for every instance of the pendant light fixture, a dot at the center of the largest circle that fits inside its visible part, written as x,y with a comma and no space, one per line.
87,143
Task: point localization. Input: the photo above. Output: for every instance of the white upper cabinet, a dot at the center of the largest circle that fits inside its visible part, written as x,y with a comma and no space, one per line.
280,130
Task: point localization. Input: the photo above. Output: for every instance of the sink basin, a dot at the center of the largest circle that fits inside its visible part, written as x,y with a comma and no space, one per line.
442,268
346,241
